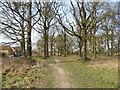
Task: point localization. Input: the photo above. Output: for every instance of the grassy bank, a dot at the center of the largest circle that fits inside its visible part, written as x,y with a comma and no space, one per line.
48,72
102,73
18,73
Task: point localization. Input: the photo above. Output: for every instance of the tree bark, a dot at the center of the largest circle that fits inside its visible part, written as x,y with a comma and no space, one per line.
112,43
65,43
94,47
51,51
47,46
94,43
54,50
85,45
23,39
108,43
99,49
85,50
80,48
51,45
29,47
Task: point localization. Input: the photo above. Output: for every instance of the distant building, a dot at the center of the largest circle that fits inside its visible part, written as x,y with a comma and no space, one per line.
6,51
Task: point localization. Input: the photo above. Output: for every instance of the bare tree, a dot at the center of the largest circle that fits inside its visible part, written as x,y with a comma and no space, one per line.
83,15
46,21
12,22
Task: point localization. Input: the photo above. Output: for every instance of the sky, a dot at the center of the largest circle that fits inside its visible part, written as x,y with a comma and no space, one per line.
3,38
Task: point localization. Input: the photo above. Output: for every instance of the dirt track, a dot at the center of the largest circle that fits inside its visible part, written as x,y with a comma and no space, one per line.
61,79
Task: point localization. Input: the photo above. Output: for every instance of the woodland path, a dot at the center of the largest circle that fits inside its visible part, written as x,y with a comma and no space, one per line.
61,78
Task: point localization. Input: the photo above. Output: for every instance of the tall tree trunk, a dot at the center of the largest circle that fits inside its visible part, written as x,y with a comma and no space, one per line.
112,48
51,51
85,41
47,46
51,47
94,47
85,50
94,37
112,43
107,42
85,45
99,49
23,48
80,48
85,31
91,42
108,45
46,53
29,47
94,43
54,50
23,39
65,43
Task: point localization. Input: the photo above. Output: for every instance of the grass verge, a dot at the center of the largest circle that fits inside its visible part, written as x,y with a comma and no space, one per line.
42,59
85,76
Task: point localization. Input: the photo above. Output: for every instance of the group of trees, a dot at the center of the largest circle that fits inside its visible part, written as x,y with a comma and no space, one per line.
17,23
85,28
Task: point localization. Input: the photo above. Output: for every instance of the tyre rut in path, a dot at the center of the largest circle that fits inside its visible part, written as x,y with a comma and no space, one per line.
61,80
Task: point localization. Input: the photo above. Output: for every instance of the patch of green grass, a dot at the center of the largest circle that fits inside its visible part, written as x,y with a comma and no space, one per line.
17,79
11,79
86,77
48,78
37,77
10,76
42,59
23,75
3,80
